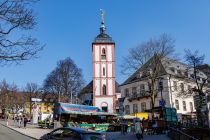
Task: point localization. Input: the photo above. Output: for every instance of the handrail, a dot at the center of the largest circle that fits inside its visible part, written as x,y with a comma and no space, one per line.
193,138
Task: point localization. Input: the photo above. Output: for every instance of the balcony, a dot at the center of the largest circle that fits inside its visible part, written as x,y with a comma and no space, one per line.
138,96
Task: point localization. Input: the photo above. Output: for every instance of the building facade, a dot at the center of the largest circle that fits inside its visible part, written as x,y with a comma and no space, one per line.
177,84
101,92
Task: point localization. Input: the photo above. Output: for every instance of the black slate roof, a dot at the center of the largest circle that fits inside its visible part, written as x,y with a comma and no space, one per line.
103,38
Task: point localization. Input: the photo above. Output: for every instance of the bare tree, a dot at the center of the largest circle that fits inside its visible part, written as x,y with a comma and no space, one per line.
53,85
194,61
32,90
66,80
4,86
154,72
163,46
146,59
16,19
10,98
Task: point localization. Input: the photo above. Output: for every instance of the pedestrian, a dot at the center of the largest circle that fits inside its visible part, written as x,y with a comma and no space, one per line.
143,125
15,118
19,121
126,127
25,120
123,127
138,130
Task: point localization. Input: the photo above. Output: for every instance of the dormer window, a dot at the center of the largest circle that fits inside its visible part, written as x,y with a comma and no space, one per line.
140,74
179,72
103,55
173,70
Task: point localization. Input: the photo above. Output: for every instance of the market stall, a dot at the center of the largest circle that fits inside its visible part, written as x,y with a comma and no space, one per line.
90,117
162,116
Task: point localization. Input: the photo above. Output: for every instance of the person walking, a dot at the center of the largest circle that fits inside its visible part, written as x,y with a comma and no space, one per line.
19,121
138,130
123,127
25,120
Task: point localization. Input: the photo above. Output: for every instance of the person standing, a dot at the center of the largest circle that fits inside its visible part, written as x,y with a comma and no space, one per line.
123,127
19,121
138,130
25,120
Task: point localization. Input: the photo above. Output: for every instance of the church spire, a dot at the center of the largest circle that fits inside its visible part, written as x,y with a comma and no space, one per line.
102,28
103,37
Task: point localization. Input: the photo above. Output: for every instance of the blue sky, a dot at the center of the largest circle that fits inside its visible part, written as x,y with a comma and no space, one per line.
68,27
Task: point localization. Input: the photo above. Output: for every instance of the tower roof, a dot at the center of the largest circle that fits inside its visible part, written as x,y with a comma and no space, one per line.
103,37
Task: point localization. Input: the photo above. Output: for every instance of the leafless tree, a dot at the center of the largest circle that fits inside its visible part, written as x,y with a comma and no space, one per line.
65,81
163,46
4,86
153,72
53,84
32,90
146,59
10,97
194,60
16,20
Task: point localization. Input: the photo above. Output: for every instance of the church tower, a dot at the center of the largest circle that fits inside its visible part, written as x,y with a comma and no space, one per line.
103,46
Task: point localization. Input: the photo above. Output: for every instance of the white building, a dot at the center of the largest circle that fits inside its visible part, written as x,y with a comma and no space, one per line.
177,81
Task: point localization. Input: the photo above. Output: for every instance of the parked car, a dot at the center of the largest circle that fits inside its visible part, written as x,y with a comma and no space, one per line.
67,133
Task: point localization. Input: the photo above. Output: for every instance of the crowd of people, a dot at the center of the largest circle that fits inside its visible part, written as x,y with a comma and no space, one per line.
21,119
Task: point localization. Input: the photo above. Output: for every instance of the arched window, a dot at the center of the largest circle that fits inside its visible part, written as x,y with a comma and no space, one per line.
103,71
103,55
103,51
104,89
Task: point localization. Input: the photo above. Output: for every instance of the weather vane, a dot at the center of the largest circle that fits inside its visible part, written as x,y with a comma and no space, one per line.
102,15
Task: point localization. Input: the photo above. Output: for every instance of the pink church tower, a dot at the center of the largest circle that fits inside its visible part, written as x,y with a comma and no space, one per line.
104,94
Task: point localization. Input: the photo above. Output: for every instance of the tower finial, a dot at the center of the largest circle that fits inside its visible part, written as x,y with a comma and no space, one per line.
102,13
